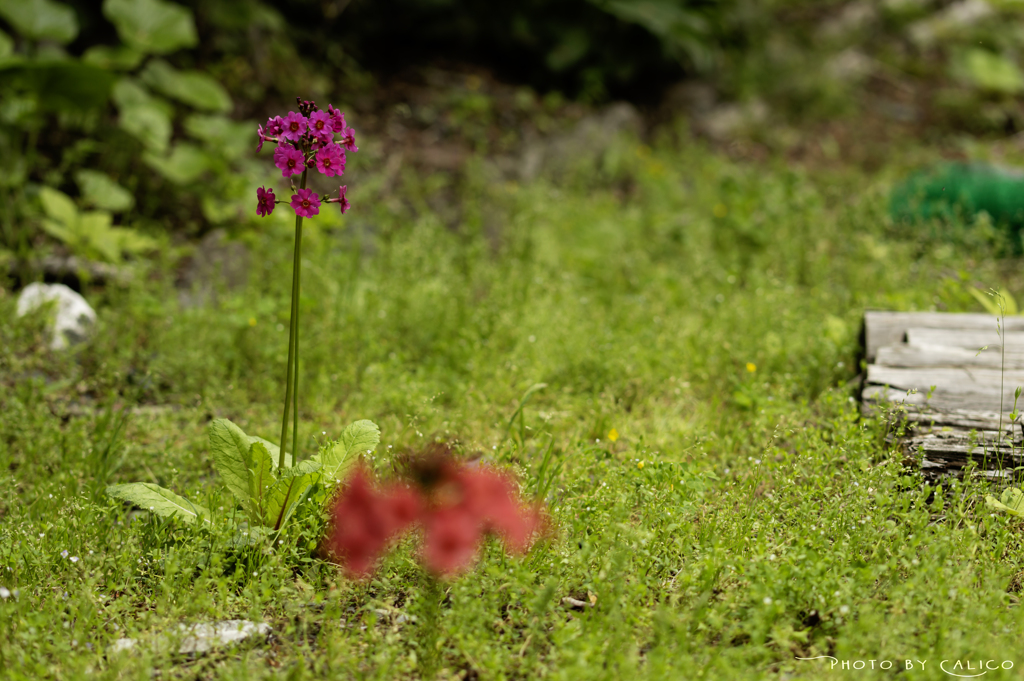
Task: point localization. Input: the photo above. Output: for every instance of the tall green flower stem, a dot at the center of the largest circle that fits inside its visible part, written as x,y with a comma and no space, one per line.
291,391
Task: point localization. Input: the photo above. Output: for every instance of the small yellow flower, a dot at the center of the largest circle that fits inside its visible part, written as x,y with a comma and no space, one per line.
751,367
640,464
720,210
252,321
613,435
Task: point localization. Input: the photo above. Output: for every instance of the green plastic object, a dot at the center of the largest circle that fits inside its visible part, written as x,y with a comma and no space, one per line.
953,191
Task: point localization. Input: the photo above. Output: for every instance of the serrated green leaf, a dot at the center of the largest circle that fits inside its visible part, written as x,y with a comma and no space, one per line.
229,447
100,190
161,501
58,206
261,477
292,485
152,26
41,19
185,163
191,87
359,437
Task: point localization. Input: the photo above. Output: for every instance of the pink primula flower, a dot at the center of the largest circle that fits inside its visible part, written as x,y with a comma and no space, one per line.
321,126
348,139
337,118
331,160
294,126
306,203
342,199
265,201
275,126
289,159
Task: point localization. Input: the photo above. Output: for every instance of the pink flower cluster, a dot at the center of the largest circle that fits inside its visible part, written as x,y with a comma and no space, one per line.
456,505
306,139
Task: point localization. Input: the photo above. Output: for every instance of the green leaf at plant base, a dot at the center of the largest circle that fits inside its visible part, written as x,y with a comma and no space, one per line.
337,457
191,87
152,26
185,163
113,58
161,501
1010,501
293,485
261,477
229,447
100,190
41,19
145,117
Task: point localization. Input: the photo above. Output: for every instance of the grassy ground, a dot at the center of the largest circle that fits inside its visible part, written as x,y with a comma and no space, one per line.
706,311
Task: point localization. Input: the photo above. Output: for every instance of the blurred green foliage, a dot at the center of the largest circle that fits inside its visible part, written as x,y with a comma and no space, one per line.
156,101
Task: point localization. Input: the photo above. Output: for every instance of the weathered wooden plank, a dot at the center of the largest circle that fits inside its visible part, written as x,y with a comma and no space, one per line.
968,339
926,355
940,401
883,328
949,380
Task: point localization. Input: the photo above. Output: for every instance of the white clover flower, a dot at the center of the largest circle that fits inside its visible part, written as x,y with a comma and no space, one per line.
74,559
5,593
64,553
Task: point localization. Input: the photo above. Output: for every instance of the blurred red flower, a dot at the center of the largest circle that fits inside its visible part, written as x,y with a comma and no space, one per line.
366,520
456,504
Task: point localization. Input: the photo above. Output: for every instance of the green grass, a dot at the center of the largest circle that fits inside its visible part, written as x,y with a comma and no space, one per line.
742,518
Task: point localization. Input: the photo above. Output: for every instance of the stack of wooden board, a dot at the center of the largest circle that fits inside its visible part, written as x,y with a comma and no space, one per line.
953,374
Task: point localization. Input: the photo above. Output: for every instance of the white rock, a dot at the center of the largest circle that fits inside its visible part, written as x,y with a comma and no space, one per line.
73,317
196,639
201,638
122,644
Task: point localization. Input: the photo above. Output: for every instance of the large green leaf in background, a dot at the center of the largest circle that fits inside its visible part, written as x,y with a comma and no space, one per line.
103,192
61,86
143,116
185,163
89,232
152,26
989,71
232,139
161,501
41,19
191,87
113,58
